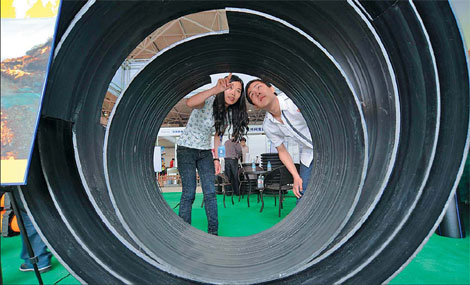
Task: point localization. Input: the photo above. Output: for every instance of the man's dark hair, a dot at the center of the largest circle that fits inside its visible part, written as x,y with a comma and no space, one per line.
251,82
243,139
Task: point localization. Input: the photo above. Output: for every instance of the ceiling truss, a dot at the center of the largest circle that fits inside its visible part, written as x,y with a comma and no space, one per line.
166,35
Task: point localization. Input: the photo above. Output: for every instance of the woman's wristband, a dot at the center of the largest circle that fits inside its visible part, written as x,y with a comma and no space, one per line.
216,159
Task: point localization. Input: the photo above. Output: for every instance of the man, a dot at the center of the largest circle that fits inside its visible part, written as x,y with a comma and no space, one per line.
39,248
233,152
283,119
11,228
245,150
163,167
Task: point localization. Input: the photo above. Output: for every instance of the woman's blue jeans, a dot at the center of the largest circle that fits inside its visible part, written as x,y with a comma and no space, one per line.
305,175
190,159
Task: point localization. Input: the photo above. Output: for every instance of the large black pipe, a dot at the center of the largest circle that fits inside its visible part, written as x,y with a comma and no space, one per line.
336,132
405,64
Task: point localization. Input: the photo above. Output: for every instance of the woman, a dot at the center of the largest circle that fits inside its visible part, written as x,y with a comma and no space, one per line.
220,106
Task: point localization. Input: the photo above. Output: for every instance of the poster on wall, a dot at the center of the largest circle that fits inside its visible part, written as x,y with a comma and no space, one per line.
26,45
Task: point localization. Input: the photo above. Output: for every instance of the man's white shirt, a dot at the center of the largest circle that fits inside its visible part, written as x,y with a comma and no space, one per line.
294,127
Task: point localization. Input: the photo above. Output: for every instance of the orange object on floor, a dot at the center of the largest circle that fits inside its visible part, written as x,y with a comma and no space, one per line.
8,218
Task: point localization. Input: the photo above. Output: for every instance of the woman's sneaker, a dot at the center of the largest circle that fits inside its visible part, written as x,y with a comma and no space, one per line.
26,268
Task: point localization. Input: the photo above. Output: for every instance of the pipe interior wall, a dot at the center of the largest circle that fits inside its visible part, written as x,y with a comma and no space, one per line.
336,133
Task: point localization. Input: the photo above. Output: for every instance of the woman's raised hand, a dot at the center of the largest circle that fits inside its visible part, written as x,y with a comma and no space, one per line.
223,84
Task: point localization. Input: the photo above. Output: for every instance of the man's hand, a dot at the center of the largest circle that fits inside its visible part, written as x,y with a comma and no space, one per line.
286,159
217,166
223,84
297,186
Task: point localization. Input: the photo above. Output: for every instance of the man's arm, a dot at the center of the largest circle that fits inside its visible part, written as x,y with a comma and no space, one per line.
216,153
286,159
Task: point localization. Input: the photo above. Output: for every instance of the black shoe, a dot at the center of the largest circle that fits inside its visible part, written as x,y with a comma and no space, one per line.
25,268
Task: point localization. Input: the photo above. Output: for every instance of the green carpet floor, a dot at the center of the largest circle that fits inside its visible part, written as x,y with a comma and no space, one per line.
442,260
237,220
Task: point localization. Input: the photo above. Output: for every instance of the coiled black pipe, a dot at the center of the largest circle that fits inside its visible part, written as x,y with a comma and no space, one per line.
383,85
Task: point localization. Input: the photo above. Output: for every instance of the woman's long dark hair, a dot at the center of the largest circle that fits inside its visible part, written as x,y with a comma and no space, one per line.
234,115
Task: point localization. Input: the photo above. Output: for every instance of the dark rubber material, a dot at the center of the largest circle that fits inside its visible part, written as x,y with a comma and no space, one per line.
384,87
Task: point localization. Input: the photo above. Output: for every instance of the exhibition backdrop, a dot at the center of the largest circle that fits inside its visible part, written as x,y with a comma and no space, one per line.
26,44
